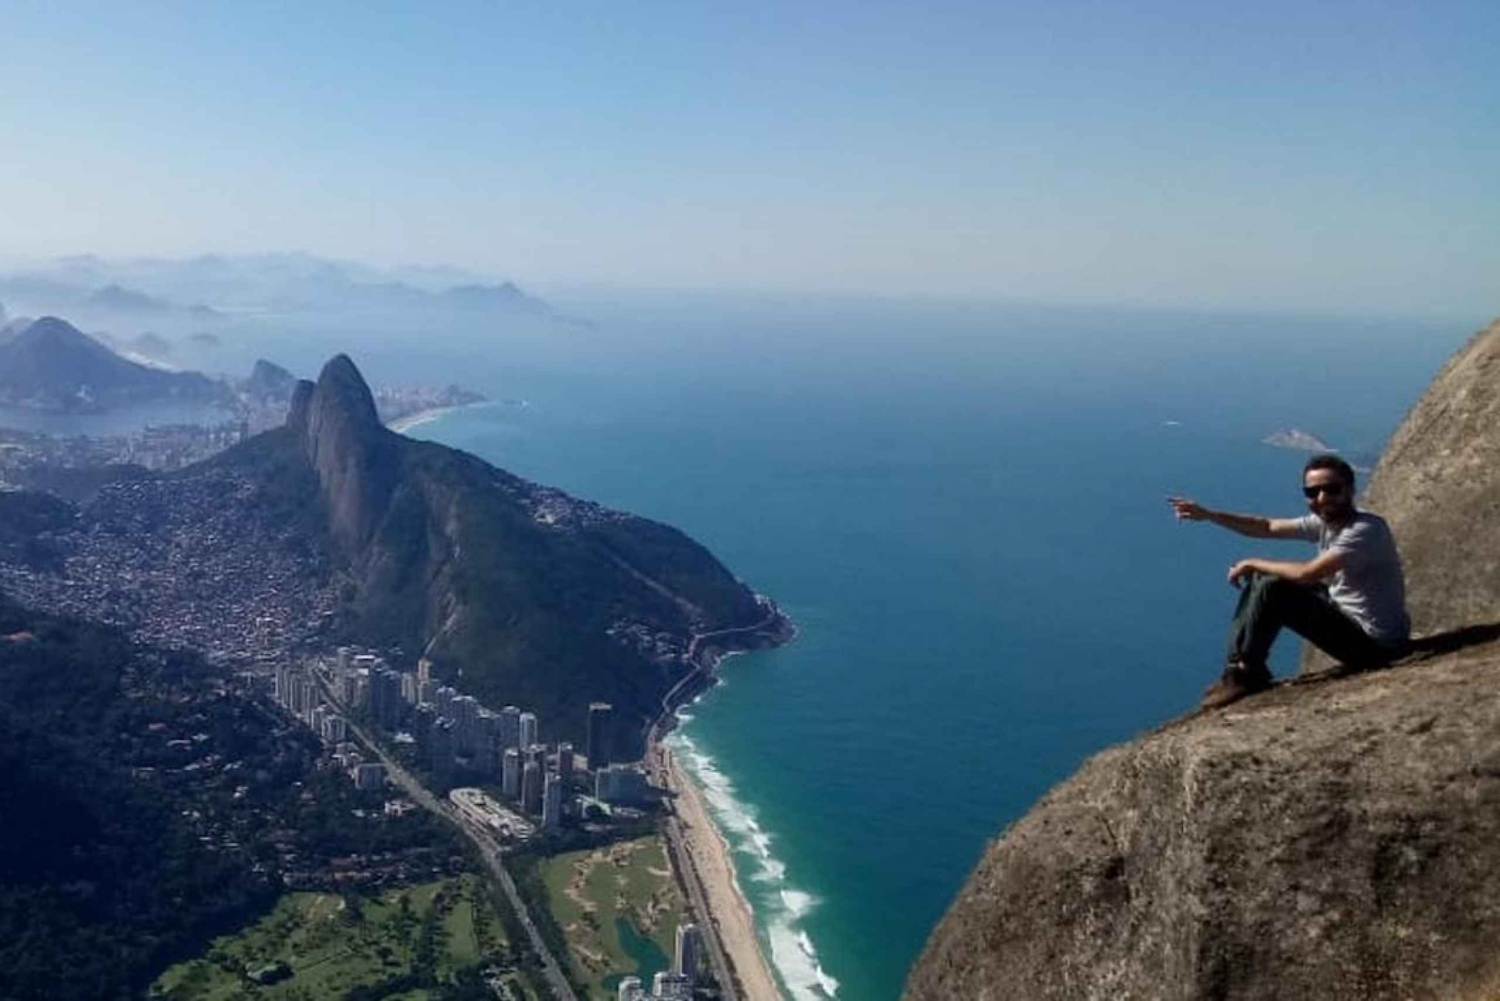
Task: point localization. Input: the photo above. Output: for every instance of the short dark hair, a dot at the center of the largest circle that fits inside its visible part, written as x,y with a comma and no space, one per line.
1333,462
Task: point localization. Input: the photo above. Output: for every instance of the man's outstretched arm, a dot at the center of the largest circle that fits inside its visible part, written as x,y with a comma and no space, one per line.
1254,525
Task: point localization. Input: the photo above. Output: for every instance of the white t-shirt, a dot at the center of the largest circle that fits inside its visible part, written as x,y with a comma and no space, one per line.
1370,588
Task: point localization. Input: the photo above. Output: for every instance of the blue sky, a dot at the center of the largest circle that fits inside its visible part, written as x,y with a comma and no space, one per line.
1330,156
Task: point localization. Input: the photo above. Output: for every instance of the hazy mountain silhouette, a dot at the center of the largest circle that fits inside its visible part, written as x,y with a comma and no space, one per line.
51,365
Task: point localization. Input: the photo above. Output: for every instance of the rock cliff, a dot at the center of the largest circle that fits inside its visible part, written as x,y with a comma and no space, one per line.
1332,838
355,457
1439,483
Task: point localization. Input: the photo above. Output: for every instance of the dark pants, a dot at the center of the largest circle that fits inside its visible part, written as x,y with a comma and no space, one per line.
1267,603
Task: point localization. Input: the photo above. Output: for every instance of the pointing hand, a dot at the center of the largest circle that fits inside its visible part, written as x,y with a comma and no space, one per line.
1187,510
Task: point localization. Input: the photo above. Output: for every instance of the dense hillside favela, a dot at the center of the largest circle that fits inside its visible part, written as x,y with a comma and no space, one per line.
360,716
1337,837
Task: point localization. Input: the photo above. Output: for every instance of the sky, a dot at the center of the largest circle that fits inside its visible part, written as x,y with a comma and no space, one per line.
1328,156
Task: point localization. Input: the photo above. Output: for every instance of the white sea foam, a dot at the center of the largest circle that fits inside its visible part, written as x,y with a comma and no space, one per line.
797,903
771,871
792,952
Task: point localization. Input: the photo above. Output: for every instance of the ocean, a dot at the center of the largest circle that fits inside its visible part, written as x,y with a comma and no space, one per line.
962,507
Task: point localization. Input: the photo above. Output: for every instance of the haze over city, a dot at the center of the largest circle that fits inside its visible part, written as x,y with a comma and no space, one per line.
1334,157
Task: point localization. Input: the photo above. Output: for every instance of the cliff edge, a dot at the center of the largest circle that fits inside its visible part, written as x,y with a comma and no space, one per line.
1332,838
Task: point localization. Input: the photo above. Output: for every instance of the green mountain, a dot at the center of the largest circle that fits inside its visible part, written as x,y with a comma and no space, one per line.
151,803
527,595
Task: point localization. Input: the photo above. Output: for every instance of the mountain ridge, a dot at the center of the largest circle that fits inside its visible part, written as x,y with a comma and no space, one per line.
504,581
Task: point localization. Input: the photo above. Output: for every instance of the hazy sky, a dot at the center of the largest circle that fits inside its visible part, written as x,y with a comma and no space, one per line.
1269,153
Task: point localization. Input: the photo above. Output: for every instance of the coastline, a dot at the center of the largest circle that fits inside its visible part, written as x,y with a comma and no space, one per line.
405,423
729,913
698,850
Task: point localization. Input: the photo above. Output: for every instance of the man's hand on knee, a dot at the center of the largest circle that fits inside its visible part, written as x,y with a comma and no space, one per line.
1242,572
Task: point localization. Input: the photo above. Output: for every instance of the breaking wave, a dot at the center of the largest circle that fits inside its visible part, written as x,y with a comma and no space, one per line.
791,950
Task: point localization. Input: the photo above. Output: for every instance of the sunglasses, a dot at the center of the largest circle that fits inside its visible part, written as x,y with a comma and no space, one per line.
1322,488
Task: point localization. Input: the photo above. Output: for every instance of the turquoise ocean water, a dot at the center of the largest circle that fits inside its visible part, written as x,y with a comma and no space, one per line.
963,510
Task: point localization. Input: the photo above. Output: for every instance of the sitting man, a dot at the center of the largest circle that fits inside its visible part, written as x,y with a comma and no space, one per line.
1349,601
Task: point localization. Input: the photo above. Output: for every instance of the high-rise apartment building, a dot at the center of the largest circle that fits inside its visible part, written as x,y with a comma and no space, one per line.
510,727
510,773
600,734
440,747
528,729
464,711
531,788
552,802
689,952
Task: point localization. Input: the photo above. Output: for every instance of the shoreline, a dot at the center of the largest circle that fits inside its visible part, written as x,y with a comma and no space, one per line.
729,912
406,422
698,850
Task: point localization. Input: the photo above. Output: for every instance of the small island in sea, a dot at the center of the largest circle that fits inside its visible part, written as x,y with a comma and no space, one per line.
1296,438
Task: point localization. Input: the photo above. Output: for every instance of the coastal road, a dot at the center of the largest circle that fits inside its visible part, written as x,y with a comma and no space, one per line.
488,850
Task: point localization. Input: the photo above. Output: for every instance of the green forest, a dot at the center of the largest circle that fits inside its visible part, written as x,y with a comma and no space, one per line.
149,805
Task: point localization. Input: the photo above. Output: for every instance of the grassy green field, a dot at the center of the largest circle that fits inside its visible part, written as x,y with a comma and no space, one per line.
333,944
619,908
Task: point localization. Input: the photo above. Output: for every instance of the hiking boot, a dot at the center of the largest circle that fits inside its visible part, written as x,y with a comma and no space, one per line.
1238,681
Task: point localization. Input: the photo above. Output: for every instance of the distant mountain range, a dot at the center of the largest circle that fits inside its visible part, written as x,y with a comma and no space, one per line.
51,365
209,288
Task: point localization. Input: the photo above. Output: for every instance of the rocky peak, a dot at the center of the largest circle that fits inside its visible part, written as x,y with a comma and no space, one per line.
354,455
270,381
301,402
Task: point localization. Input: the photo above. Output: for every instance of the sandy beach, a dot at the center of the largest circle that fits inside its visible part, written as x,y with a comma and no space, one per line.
708,854
403,424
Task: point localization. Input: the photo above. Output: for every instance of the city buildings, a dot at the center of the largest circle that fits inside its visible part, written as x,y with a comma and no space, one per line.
491,817
368,775
531,788
552,802
510,773
510,727
620,784
528,729
600,734
672,986
689,952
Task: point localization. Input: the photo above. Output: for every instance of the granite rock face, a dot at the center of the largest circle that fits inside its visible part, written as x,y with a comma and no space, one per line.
1438,483
1332,838
353,453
